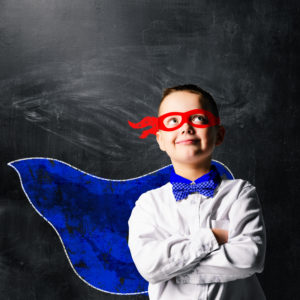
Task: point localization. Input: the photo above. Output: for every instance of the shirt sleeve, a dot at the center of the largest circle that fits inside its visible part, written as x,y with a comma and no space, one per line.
244,253
159,255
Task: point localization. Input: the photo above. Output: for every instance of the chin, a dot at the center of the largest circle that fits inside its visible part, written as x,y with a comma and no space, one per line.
193,159
189,160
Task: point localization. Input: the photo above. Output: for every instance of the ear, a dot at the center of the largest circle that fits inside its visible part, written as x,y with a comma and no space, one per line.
220,135
159,140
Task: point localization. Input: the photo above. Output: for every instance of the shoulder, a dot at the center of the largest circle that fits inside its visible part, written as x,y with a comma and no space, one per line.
152,202
155,198
235,186
231,191
239,194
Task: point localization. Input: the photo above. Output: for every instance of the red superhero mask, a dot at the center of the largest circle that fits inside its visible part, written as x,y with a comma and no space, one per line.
199,118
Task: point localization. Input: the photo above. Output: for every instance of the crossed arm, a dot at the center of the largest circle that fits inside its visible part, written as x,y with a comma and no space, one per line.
208,255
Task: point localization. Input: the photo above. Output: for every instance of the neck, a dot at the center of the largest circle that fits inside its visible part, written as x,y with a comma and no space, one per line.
192,171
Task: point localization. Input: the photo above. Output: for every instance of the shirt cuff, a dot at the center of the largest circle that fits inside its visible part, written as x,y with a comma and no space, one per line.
203,241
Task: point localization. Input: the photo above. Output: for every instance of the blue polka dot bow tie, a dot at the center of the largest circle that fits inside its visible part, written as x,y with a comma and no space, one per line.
204,185
182,190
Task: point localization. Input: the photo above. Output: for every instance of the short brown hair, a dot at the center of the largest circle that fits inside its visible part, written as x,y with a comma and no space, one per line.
192,88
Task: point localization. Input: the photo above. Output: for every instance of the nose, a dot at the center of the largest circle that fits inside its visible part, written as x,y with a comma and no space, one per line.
187,128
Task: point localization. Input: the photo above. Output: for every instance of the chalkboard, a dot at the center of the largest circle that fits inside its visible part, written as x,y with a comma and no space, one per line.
74,72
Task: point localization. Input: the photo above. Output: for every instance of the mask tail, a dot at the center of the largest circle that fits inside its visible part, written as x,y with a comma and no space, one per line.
147,121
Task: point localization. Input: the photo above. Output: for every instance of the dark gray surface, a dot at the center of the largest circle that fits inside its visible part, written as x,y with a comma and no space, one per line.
73,72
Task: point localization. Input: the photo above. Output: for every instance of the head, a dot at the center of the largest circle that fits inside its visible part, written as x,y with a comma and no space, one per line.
189,145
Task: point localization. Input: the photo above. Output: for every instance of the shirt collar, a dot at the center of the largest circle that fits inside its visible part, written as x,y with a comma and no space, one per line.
212,174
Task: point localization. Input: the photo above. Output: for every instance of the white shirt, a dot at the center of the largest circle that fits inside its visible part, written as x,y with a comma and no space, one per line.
174,249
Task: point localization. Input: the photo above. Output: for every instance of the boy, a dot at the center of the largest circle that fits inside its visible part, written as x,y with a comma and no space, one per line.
198,236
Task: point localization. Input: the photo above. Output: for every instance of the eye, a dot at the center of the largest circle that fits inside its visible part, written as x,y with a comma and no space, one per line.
172,121
199,119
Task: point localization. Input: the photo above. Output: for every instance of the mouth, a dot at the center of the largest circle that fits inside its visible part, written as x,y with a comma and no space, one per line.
187,142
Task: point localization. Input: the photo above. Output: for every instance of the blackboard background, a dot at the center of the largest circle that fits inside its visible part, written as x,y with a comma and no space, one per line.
72,72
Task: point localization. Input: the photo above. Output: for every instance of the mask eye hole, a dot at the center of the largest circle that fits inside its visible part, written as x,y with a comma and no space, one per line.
199,119
172,121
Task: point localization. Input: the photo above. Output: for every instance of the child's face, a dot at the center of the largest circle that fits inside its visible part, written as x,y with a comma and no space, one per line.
188,144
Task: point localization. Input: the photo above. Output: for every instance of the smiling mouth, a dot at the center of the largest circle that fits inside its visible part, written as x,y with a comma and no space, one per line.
187,142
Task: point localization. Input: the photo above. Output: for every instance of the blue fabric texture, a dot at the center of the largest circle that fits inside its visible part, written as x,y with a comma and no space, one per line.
90,215
204,185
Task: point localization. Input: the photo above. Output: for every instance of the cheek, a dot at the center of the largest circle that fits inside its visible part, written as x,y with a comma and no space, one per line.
208,135
168,139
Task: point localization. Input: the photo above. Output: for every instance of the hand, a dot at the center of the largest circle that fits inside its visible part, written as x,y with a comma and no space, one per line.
221,235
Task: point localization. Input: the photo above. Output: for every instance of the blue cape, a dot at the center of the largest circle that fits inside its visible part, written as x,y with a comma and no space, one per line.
90,215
